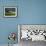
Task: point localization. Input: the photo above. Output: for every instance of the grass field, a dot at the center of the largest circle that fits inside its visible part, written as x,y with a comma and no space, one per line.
10,14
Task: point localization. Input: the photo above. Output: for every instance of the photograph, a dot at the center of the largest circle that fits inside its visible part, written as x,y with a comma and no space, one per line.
10,11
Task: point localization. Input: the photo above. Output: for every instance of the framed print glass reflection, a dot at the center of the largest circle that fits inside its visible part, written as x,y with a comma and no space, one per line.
10,11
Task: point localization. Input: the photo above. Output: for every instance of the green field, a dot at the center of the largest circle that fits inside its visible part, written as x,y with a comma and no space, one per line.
10,14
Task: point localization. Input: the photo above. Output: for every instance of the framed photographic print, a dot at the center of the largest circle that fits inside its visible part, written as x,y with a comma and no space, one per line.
10,11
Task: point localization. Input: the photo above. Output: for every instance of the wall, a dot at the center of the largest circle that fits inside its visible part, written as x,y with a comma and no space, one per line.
32,11
7,25
29,12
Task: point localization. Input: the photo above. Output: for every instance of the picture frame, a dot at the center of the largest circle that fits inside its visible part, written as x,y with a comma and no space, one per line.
10,11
